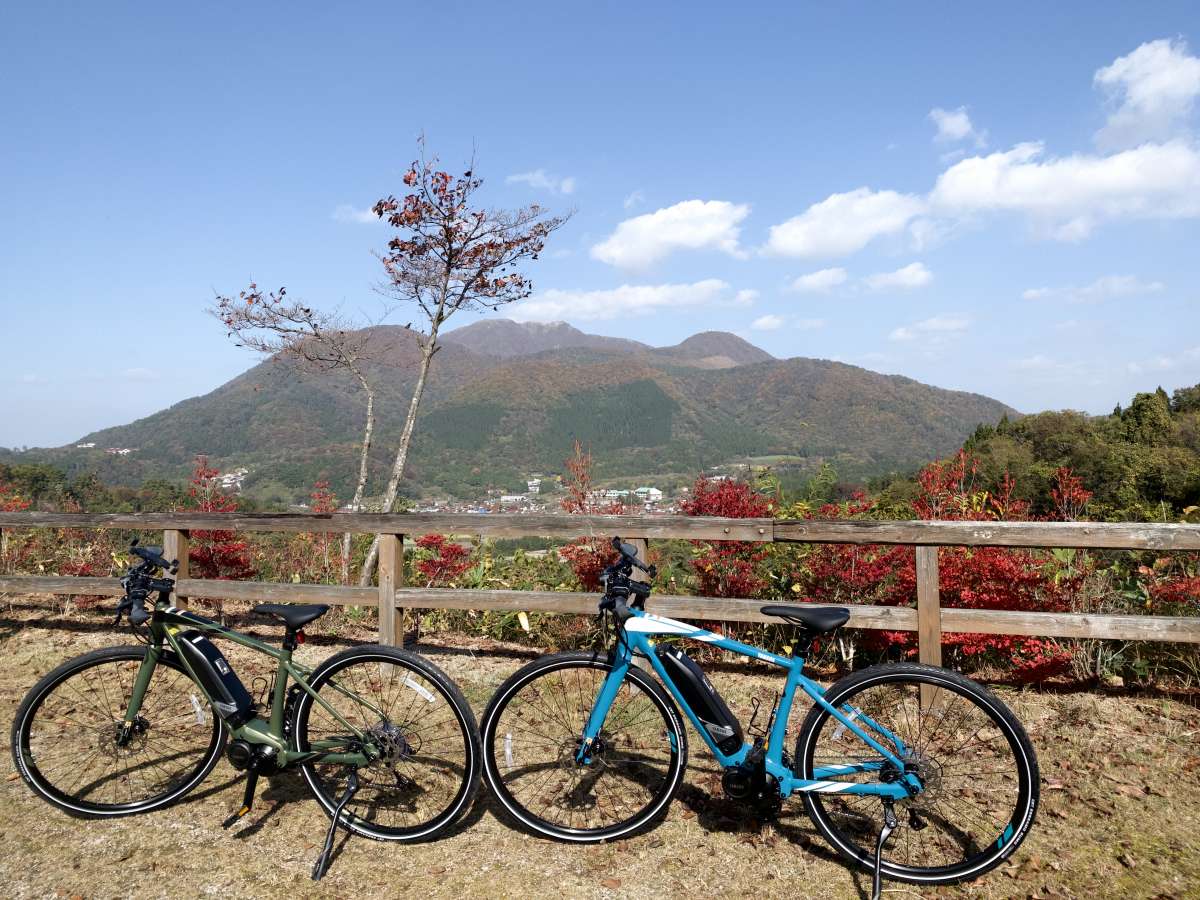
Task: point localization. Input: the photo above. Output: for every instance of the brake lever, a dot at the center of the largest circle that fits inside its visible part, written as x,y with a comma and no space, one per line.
122,608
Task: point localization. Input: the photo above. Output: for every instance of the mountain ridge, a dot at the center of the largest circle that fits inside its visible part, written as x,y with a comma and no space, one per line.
495,418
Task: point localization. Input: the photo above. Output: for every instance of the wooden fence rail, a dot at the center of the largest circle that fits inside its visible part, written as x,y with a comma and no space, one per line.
928,619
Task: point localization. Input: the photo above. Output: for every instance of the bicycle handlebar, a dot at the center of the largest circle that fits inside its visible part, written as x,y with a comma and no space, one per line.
140,581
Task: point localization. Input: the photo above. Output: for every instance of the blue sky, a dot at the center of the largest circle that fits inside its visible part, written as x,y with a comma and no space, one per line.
1002,199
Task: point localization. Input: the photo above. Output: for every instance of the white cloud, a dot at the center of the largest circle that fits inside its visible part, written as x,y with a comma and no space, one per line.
954,126
938,327
842,224
348,213
32,379
745,297
914,275
1165,363
1153,90
541,180
1108,287
627,300
634,198
767,323
690,225
811,324
821,281
1068,196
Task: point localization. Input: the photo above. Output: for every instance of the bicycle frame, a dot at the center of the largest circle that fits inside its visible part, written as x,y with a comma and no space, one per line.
166,626
636,638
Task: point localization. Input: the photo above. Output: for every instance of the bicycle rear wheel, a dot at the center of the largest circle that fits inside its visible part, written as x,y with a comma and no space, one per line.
69,744
533,728
428,770
977,763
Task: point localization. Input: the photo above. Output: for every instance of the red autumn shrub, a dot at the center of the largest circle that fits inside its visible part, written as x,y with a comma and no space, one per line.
441,560
728,568
1069,495
215,554
969,577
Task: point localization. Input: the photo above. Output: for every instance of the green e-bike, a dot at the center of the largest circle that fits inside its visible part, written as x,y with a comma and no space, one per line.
383,738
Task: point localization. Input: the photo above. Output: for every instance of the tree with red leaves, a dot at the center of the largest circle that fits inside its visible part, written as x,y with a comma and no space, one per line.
448,255
728,568
1069,495
215,554
587,557
10,501
441,561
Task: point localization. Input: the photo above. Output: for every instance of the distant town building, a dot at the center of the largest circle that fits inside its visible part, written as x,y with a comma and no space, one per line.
232,481
86,446
119,451
534,485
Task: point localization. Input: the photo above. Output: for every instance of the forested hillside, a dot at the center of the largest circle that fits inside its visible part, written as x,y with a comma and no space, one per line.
491,419
1140,462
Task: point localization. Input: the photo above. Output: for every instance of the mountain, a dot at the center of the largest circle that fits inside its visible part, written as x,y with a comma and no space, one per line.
506,400
504,337
714,350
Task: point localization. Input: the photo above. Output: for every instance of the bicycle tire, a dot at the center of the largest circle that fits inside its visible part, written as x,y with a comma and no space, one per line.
502,772
952,792
29,745
459,786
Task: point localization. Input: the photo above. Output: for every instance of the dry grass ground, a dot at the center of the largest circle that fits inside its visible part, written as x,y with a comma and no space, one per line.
1119,816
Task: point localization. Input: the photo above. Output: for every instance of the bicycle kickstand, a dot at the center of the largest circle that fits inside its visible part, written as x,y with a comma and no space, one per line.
326,856
889,825
247,800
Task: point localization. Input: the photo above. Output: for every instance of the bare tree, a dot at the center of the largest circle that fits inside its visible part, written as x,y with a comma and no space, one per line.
449,255
282,328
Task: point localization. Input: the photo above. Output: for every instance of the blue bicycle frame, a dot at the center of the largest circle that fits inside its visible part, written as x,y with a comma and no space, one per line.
636,639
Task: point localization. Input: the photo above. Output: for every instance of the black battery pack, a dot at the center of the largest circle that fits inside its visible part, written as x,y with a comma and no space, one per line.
229,696
709,707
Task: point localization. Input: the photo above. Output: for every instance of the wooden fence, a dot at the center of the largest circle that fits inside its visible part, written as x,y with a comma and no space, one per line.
928,619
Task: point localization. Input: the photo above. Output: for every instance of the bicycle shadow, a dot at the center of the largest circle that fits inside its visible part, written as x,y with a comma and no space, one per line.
719,814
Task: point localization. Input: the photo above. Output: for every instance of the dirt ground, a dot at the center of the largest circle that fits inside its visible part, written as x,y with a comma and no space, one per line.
1119,814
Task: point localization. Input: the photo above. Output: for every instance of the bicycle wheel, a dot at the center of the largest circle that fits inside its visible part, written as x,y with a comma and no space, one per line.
428,771
980,772
534,725
66,737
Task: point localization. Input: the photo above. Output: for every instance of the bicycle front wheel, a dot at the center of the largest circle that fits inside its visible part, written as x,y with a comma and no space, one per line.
533,728
974,758
71,746
427,771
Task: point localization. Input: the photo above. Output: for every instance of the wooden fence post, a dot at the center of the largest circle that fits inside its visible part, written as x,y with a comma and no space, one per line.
929,614
643,548
391,576
175,546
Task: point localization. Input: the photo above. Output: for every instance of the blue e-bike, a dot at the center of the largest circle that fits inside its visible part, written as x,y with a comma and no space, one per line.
913,772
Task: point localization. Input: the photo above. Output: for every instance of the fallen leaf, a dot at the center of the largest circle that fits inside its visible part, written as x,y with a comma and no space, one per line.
1127,861
611,883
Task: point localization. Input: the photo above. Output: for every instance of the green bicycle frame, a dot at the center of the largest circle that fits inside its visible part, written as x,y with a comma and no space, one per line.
636,638
165,626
